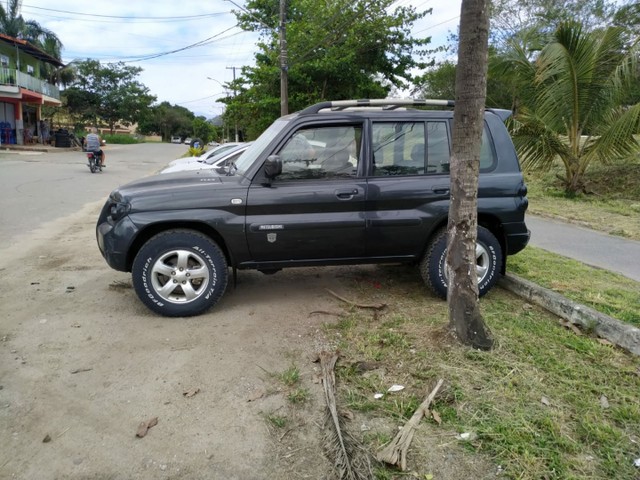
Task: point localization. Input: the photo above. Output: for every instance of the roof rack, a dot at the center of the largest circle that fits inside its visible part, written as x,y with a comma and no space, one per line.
382,102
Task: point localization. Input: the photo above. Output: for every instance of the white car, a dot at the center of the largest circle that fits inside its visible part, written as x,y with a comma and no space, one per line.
220,160
205,155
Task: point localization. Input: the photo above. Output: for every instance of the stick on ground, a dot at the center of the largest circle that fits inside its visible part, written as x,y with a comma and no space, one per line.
395,453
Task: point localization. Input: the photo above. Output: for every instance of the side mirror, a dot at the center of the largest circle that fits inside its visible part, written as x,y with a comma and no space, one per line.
272,167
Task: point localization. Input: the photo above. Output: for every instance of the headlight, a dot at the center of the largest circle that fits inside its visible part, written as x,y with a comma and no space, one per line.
118,210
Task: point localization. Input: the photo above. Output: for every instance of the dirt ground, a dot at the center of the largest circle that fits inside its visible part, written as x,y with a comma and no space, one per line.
83,363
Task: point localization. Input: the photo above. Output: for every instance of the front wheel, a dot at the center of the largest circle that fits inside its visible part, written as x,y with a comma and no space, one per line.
180,273
488,262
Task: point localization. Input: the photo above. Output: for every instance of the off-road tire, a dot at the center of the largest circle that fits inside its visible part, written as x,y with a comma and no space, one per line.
180,273
489,257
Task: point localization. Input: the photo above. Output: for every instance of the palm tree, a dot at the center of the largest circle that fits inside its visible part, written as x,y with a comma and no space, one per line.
14,25
574,111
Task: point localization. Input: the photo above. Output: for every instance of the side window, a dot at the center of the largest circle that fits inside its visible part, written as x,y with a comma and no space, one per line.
398,148
321,153
438,153
487,152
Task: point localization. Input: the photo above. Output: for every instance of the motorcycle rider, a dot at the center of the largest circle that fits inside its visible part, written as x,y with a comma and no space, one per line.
92,143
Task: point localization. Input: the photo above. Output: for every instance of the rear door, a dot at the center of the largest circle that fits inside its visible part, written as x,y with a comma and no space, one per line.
314,209
408,185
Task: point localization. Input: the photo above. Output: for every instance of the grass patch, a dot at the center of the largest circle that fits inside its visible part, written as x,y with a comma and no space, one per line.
602,290
120,139
534,403
611,206
278,421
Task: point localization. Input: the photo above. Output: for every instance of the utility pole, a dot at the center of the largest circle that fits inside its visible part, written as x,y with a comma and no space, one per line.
284,89
235,120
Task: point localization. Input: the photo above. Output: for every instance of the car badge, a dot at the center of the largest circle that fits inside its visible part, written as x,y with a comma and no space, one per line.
272,237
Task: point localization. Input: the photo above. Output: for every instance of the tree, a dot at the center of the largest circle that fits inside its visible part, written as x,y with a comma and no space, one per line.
14,25
468,121
336,50
574,111
109,93
166,120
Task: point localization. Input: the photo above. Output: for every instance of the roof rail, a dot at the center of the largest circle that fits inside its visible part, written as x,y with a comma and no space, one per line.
380,102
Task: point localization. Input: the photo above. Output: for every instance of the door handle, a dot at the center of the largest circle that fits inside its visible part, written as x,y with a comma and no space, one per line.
441,190
346,194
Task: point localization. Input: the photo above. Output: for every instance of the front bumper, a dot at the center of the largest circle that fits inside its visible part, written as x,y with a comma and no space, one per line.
114,241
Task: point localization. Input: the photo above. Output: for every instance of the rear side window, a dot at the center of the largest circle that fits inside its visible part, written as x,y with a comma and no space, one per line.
419,148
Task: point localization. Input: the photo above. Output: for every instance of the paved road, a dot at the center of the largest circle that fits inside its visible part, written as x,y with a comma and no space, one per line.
594,248
38,187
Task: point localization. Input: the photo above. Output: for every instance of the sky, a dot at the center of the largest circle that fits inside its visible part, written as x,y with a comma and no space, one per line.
188,49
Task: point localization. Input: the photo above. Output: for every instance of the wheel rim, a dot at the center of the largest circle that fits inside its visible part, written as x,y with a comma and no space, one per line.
482,263
180,276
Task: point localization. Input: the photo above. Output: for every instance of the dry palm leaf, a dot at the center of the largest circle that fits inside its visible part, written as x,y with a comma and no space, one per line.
351,461
395,453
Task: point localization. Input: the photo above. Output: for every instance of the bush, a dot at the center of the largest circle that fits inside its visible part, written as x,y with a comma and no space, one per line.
120,139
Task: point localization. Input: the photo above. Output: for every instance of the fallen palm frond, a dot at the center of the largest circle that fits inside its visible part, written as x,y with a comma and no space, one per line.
375,306
350,460
395,453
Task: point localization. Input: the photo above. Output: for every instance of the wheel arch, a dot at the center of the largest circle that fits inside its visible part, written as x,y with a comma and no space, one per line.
490,222
155,228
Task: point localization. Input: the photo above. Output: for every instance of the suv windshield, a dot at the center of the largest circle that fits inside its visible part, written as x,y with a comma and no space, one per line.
253,152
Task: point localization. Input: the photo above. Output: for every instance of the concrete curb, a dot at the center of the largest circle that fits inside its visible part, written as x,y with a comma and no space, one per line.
619,333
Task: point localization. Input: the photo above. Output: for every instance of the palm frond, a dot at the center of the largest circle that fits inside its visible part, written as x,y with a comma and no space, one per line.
350,460
537,145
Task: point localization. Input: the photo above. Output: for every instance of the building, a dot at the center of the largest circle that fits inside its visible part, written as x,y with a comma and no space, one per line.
23,90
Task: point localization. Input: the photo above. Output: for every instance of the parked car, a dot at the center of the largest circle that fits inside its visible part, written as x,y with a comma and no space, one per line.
337,183
205,155
187,140
176,140
220,159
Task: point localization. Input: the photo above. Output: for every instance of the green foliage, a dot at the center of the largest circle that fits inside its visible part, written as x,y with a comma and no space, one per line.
573,112
14,25
336,50
120,139
166,120
107,93
195,152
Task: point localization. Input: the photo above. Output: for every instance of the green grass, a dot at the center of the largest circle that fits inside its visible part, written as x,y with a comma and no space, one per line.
611,206
607,292
533,402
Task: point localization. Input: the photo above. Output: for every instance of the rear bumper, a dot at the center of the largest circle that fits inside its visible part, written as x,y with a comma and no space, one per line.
517,236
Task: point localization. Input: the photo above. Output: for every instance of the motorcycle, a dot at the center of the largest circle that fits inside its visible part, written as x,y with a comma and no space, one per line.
94,161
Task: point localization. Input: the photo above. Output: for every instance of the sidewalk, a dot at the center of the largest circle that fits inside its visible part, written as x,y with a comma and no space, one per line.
587,246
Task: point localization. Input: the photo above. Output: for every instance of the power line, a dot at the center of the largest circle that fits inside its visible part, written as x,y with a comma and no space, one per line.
129,17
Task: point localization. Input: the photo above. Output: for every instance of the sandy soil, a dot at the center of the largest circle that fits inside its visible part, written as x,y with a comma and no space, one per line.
83,363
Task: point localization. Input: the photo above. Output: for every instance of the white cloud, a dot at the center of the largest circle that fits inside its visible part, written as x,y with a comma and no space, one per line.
123,30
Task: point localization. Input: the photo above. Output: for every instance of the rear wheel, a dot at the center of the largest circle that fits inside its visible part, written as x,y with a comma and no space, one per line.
180,273
488,262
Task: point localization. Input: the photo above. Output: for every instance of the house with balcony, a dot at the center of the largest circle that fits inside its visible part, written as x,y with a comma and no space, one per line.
24,90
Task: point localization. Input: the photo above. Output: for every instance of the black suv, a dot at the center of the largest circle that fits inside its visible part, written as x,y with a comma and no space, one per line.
346,182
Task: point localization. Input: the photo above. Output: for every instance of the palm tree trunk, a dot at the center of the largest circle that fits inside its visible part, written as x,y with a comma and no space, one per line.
471,86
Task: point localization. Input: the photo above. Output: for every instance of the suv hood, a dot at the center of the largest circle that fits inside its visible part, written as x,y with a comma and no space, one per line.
192,189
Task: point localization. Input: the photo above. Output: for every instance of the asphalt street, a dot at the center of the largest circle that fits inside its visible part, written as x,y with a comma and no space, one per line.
587,246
